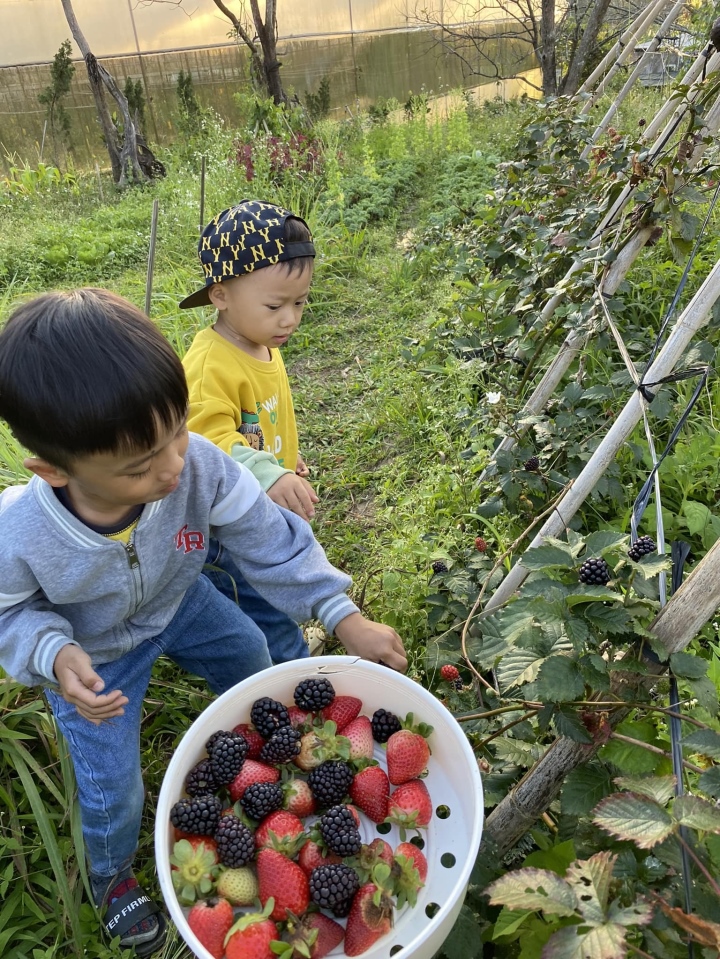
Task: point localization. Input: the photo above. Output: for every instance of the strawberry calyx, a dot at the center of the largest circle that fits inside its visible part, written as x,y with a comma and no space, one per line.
195,870
422,729
370,855
300,942
288,846
250,919
320,744
406,880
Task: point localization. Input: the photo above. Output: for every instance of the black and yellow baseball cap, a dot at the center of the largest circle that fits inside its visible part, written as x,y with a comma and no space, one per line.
245,238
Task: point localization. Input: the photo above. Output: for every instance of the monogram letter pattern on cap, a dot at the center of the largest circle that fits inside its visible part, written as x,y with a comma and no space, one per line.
245,238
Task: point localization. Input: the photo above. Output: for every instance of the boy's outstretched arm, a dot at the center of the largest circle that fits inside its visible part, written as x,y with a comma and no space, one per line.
374,641
80,685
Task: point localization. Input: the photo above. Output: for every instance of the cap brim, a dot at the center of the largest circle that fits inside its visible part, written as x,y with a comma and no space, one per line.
199,298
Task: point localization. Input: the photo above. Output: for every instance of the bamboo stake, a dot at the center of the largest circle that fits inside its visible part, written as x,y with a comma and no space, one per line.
693,80
693,318
623,50
680,620
151,257
629,83
202,194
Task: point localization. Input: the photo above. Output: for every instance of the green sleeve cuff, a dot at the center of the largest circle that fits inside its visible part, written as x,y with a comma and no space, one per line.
264,467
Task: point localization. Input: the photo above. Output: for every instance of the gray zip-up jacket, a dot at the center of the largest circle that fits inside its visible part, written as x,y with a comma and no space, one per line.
60,582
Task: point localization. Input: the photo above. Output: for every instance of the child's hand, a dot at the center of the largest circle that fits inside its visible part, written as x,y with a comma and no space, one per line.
302,468
295,494
80,685
374,641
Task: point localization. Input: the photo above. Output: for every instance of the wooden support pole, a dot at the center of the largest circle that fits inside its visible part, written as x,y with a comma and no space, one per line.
680,620
151,257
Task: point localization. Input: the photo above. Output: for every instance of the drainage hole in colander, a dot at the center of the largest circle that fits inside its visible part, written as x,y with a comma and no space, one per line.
418,841
431,910
442,812
448,860
396,949
384,828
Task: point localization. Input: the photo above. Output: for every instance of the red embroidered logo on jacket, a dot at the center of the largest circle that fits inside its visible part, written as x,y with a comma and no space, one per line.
189,539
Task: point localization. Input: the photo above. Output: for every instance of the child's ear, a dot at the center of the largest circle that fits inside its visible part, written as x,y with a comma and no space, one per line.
51,474
217,296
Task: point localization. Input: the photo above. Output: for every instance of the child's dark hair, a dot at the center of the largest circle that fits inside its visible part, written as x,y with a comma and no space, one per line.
86,372
297,232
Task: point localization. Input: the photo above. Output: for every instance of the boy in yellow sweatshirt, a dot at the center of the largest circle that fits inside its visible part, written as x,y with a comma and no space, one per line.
258,263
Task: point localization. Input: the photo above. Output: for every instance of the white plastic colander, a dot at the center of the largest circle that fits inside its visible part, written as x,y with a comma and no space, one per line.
451,839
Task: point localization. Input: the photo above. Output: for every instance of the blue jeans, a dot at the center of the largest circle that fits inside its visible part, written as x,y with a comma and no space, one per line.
284,637
210,637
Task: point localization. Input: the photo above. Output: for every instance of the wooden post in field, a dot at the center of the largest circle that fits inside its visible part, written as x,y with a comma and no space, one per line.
151,257
202,194
680,620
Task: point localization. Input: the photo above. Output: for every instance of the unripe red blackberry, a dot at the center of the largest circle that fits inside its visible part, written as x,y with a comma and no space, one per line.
480,544
595,572
449,673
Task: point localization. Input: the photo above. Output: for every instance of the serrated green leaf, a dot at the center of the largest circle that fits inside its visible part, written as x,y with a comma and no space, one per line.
688,666
557,858
697,813
628,758
697,515
509,921
612,620
583,789
533,889
575,942
633,817
548,556
464,938
517,667
704,741
590,878
659,788
594,594
559,680
705,691
650,566
638,914
710,781
568,723
604,539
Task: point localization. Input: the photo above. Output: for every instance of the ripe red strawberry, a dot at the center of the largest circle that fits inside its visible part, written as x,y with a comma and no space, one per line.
253,737
311,856
408,752
411,851
251,936
409,871
369,919
299,717
298,798
211,920
320,744
449,673
354,812
480,544
280,830
410,806
359,732
369,791
252,772
315,935
283,880
342,710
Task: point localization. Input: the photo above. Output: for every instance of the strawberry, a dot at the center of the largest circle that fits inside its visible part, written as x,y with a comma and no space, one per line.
194,868
283,880
253,738
315,935
369,791
211,920
370,914
408,751
298,799
359,732
409,871
410,806
342,710
354,812
320,744
281,831
238,886
299,717
311,856
369,856
252,772
251,935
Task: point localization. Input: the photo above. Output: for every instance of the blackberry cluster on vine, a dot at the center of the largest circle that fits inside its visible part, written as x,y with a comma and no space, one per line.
595,572
641,547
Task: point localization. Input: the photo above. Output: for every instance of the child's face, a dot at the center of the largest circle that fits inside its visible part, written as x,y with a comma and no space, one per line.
263,309
109,484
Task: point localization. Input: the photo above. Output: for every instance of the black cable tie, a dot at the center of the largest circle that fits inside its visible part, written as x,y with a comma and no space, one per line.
646,393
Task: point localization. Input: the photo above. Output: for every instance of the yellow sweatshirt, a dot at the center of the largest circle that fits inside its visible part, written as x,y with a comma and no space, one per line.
243,405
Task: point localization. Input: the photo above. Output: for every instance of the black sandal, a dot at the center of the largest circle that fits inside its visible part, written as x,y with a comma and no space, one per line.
127,911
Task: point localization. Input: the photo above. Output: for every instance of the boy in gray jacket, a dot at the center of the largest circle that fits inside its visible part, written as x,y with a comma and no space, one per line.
102,551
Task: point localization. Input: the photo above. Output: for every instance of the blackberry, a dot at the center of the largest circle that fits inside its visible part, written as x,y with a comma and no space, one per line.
439,567
384,724
333,888
458,684
314,694
282,746
227,754
532,465
260,799
330,781
235,842
199,816
268,716
340,832
595,572
641,547
200,780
